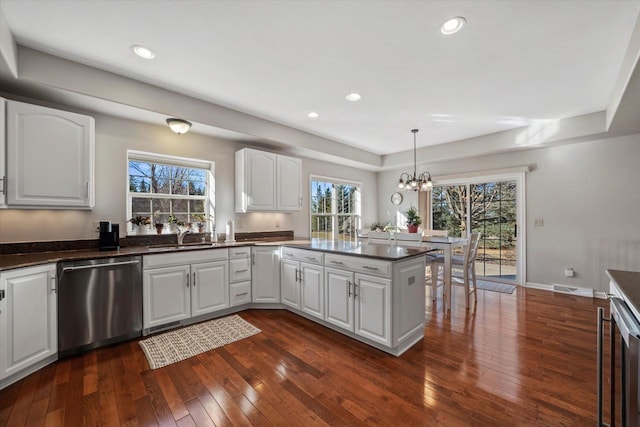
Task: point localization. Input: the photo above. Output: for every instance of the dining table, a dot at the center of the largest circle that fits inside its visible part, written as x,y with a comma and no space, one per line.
447,245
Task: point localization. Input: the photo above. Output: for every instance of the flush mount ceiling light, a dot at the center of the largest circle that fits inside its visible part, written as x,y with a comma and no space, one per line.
452,25
353,97
143,52
179,126
313,115
415,182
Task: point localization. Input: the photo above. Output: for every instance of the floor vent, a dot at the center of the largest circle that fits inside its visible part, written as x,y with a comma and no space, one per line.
582,292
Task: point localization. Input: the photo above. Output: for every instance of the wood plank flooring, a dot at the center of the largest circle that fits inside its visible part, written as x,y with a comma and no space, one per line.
522,359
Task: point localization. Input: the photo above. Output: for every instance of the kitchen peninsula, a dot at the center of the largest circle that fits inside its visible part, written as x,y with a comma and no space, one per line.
372,293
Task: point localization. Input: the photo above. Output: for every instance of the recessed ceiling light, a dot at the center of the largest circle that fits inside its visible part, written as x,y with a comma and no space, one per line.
313,115
353,97
143,52
452,26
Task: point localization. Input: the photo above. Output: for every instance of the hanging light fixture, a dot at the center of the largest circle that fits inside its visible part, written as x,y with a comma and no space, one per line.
179,126
415,182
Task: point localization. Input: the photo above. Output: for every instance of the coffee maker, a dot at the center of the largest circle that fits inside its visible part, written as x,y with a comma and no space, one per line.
109,236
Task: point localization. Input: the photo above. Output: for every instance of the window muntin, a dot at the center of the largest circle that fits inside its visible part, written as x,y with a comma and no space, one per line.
335,209
160,186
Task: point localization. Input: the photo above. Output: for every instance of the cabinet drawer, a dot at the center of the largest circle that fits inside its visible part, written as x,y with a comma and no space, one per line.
239,270
243,252
240,293
302,255
183,258
359,264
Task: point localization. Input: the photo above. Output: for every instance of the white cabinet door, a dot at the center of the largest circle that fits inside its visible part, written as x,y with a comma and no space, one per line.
290,284
312,290
255,180
289,183
265,277
28,317
50,157
339,298
209,287
373,308
166,295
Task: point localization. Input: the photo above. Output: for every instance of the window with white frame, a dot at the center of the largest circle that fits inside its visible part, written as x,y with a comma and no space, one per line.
335,208
166,187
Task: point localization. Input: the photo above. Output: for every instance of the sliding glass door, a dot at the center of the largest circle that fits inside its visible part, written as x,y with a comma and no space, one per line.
493,207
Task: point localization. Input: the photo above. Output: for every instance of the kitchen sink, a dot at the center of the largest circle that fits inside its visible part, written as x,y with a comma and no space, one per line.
185,246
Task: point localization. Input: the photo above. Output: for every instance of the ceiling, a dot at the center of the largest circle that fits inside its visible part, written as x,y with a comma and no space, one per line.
515,63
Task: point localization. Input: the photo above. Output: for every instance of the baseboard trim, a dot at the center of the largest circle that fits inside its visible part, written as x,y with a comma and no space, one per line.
565,289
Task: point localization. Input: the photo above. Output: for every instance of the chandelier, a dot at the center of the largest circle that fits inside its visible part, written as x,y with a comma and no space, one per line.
415,182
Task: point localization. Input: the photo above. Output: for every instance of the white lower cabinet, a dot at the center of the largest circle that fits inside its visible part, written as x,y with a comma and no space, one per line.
177,286
303,282
359,303
239,276
28,319
265,275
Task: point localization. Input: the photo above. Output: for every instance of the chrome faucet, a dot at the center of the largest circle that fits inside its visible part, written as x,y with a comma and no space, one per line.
181,233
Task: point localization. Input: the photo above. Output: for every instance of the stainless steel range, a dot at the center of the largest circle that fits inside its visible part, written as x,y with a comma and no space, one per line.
624,330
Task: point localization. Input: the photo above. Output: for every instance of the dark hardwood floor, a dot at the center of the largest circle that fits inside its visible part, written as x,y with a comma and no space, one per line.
522,359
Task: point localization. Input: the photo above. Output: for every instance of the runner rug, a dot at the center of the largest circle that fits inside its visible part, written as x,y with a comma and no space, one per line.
174,346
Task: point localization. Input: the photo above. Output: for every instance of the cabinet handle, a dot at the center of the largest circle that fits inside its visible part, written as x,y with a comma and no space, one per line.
310,258
4,185
53,283
333,261
187,277
297,275
194,279
241,271
289,254
370,268
253,259
1,294
87,190
349,288
355,286
242,294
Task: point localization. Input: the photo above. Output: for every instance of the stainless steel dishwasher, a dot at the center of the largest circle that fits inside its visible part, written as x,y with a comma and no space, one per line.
99,303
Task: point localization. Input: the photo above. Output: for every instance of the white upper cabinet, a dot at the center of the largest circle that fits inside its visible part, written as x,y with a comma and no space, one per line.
288,183
267,182
50,157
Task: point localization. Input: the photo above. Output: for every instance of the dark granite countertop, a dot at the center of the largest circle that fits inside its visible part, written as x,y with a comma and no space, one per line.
363,249
628,282
8,262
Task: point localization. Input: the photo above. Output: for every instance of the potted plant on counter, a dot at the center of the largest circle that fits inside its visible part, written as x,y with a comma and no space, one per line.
140,223
413,220
201,222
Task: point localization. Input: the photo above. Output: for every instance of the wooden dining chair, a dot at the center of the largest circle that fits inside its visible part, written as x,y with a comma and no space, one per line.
380,237
466,264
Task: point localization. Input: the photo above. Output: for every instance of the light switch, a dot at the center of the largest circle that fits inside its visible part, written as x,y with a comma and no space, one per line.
539,222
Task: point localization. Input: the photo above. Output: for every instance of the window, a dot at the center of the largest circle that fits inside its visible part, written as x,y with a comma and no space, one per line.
335,209
160,186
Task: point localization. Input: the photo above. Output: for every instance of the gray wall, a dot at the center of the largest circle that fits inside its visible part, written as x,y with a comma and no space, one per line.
114,136
588,195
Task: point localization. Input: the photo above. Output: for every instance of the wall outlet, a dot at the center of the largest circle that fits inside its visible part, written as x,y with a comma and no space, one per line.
96,226
277,224
568,271
539,222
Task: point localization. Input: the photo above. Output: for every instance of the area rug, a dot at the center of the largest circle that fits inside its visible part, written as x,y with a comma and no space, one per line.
495,287
174,346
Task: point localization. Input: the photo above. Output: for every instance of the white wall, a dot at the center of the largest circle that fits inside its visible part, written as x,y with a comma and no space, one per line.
588,196
114,136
